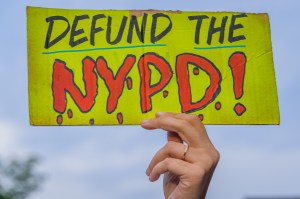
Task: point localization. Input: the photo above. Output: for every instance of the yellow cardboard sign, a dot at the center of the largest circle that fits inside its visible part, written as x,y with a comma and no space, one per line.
104,67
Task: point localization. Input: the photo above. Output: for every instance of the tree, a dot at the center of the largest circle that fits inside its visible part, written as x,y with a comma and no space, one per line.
18,178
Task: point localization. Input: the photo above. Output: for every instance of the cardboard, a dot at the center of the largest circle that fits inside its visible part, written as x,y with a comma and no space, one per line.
107,67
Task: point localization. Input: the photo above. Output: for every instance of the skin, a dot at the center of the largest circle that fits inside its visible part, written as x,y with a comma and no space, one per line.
184,176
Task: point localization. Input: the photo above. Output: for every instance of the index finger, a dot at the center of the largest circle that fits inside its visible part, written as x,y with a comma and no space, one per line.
191,118
187,132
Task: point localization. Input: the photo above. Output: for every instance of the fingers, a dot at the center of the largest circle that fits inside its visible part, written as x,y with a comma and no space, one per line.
206,158
190,118
188,168
177,167
188,127
171,149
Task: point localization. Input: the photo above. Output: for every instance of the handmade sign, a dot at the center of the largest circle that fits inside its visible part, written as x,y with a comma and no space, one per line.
104,67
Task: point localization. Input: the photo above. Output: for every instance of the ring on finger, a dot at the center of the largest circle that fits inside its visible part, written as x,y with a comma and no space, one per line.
185,151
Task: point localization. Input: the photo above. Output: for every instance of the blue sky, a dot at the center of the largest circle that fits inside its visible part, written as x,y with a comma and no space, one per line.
110,162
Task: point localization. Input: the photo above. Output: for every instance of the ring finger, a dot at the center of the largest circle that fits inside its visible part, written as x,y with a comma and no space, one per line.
173,150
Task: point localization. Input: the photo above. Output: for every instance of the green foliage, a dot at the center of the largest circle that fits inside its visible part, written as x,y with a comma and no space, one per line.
18,178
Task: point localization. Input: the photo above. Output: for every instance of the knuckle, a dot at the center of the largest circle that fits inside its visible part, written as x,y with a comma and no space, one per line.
217,155
181,115
167,148
193,118
182,124
160,121
210,157
167,161
169,145
214,155
209,161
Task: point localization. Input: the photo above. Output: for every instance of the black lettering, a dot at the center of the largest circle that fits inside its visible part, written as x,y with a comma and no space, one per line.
212,30
199,19
139,32
154,37
233,27
95,30
75,32
50,20
120,33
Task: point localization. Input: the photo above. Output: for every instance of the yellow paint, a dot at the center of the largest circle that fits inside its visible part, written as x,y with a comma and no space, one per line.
260,94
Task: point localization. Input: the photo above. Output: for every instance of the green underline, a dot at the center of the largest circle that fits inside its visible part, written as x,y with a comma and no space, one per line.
219,47
99,49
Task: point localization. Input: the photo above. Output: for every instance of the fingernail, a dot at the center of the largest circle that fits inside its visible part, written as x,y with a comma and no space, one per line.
147,172
143,122
159,113
150,179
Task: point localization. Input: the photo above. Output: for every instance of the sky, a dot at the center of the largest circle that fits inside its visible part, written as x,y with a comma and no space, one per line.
110,162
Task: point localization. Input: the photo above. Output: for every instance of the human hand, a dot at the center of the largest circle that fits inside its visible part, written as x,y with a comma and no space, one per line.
188,160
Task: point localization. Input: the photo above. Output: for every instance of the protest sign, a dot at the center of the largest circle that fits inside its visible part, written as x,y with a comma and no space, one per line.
105,67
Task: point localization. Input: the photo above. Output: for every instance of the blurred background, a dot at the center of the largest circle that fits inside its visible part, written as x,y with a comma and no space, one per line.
110,162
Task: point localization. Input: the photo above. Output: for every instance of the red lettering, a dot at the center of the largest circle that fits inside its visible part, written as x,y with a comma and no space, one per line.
114,84
237,63
63,82
185,95
146,89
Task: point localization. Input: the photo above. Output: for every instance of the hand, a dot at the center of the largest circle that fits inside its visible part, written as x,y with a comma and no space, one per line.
187,171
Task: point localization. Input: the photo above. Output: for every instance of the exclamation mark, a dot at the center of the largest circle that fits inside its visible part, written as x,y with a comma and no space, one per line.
237,64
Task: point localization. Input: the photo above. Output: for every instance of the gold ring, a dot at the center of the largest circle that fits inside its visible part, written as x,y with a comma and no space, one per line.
185,151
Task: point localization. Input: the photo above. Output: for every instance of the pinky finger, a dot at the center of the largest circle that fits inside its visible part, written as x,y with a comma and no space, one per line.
176,166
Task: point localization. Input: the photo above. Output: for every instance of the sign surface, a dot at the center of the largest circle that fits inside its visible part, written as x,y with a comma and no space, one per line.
104,67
